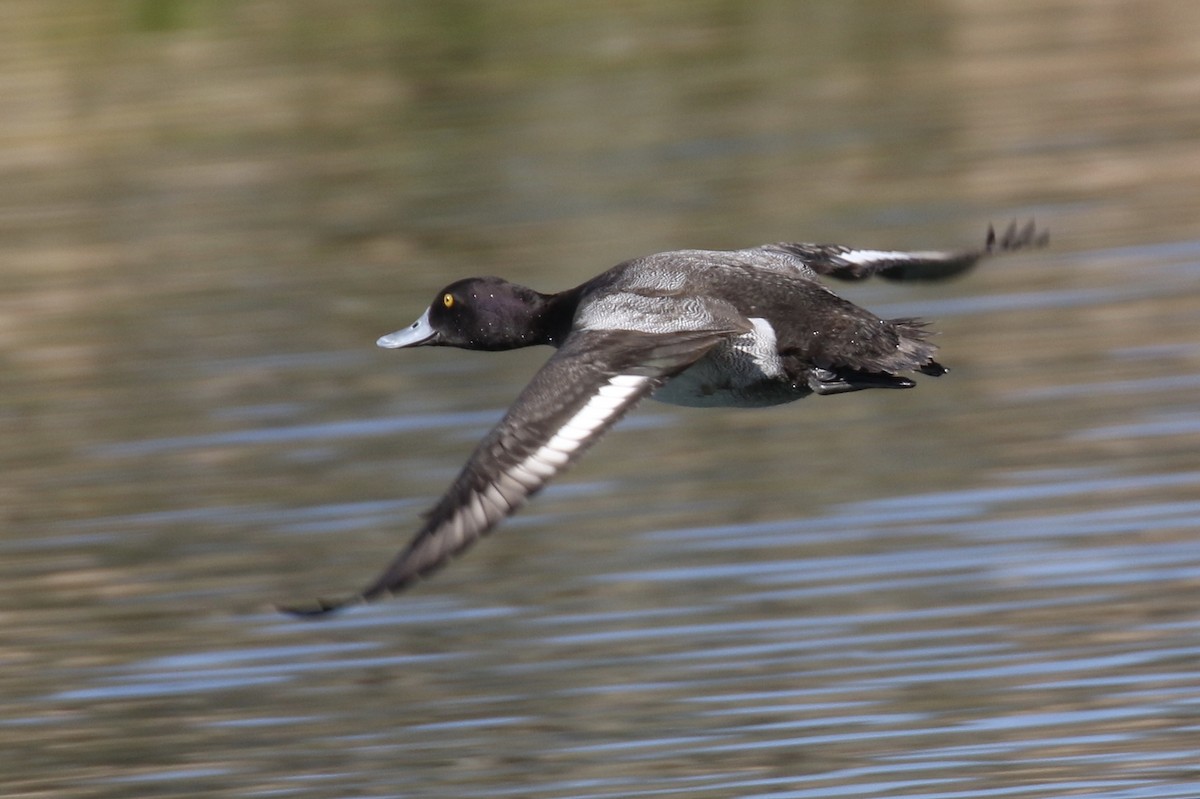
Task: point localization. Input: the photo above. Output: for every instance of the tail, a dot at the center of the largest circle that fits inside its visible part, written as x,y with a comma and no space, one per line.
916,348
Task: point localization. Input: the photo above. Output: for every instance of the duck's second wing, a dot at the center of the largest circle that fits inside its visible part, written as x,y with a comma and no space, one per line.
854,263
585,387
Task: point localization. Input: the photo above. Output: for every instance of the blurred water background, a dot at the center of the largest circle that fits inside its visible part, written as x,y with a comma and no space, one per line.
984,587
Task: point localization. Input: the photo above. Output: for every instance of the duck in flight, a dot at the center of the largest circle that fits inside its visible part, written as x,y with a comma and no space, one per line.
742,328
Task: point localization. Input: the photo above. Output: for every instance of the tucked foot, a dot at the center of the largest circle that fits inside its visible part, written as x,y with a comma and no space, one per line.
827,381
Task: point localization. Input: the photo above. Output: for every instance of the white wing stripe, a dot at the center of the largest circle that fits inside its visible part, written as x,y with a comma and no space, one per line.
511,487
608,400
455,530
631,382
493,495
863,257
539,469
573,433
479,514
492,506
512,491
525,476
549,457
562,444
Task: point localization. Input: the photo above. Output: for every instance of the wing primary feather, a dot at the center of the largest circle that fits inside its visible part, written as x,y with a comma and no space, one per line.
851,263
528,448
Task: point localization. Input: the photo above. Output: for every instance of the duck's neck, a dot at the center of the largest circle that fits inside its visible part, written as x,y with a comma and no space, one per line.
520,317
553,317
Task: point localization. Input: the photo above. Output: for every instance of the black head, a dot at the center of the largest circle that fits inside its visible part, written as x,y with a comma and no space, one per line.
479,313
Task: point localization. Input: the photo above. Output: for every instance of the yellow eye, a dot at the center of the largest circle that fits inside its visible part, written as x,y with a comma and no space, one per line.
448,300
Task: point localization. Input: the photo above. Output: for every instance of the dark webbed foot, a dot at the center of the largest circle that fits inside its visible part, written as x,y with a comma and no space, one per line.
827,381
933,369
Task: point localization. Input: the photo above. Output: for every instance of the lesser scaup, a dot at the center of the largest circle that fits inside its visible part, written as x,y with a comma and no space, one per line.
744,328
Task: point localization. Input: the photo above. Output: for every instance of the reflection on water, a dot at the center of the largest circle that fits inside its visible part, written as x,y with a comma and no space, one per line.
983,587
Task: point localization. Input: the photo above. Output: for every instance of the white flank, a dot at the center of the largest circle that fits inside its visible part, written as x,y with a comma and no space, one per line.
762,347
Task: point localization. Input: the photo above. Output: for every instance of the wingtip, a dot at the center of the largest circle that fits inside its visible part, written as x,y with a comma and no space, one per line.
1016,237
320,608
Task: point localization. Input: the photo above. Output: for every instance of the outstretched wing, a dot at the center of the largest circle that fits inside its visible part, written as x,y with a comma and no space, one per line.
850,263
585,387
